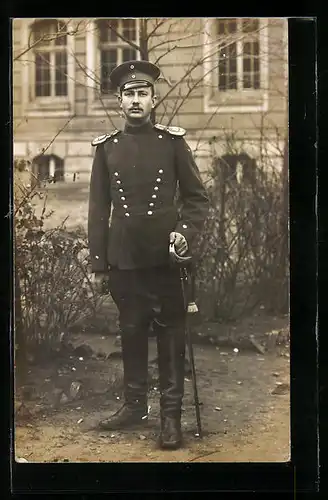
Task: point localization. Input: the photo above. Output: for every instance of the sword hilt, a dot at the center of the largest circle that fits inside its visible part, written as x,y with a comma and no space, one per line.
176,258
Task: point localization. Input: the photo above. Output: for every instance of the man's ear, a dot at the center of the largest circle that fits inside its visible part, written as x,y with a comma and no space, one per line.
119,99
154,100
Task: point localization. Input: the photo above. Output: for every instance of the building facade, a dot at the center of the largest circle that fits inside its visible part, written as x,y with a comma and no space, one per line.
224,80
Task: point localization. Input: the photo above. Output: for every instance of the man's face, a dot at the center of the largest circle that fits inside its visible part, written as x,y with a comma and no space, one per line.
137,103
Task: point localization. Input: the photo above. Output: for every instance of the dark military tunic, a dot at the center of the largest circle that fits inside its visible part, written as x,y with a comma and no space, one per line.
132,202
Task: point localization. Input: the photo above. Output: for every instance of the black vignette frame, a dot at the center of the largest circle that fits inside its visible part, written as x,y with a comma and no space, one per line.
301,475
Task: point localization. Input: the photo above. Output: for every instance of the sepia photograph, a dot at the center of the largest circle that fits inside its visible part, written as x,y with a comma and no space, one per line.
151,240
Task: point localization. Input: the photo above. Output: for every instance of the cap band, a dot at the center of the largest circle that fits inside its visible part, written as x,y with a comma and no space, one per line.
132,74
135,84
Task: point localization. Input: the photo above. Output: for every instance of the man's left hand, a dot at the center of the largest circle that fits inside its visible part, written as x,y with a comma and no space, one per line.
180,243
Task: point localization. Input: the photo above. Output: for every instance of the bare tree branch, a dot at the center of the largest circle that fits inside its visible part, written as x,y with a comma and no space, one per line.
165,53
105,109
90,75
210,118
30,47
196,64
199,62
57,134
87,72
165,42
48,38
153,31
123,38
172,22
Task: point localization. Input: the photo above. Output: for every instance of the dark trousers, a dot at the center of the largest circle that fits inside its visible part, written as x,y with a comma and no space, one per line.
145,296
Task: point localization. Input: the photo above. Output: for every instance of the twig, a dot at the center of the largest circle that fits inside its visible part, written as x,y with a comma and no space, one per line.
158,25
46,38
203,455
129,42
154,47
86,71
165,54
57,133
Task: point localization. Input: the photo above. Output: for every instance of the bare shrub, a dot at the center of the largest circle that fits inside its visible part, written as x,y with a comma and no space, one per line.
53,275
243,253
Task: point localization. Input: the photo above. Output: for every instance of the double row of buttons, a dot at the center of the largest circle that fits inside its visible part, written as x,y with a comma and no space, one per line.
154,196
121,190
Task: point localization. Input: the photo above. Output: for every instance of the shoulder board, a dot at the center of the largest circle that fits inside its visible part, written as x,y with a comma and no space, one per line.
102,138
179,131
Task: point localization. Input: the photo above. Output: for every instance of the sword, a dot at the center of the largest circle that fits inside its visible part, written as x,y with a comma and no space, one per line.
190,307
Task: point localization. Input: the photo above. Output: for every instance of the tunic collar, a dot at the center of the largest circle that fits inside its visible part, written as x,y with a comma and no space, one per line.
142,129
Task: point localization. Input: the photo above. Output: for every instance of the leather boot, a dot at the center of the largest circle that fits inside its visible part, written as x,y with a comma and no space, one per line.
135,364
127,416
171,358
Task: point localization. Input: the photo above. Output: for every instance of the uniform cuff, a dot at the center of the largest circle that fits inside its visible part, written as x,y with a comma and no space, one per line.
186,230
98,265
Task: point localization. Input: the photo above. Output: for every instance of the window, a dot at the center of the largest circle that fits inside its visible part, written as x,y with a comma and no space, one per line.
114,36
239,59
49,37
48,168
238,169
236,65
109,42
48,67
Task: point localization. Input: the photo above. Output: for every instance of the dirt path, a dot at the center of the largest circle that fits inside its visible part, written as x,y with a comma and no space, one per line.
265,442
244,396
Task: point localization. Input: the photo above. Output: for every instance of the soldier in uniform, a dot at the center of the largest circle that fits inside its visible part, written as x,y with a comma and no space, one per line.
134,179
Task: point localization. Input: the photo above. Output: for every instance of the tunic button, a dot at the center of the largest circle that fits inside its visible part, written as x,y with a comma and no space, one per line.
154,196
123,198
151,204
158,179
118,182
155,188
121,190
150,212
184,226
116,173
160,171
125,206
115,140
160,137
127,214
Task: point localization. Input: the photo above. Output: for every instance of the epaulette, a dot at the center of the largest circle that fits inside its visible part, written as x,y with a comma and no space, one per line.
179,131
102,138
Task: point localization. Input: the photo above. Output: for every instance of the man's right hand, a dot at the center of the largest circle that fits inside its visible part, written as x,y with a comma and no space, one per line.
101,283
